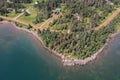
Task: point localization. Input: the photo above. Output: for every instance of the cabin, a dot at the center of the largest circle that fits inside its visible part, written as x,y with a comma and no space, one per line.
57,10
9,9
26,12
36,3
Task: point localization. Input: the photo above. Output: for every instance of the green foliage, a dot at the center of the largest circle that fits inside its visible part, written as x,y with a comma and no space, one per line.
78,44
83,15
1,19
78,16
21,25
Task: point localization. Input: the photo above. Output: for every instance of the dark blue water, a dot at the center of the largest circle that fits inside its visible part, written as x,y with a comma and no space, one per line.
23,58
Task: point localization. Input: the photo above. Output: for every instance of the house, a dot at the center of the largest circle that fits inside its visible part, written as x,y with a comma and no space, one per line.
36,3
9,9
57,10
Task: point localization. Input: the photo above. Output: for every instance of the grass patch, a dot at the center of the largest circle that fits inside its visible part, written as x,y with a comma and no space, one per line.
12,14
31,17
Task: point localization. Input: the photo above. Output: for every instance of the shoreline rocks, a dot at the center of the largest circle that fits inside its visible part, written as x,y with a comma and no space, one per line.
67,62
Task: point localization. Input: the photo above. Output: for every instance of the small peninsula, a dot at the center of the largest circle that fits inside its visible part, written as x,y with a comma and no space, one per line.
74,30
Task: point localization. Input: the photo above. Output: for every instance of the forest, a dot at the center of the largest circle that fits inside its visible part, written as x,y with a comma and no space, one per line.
79,44
70,23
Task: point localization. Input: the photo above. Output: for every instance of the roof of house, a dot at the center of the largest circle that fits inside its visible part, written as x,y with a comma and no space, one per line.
36,2
57,9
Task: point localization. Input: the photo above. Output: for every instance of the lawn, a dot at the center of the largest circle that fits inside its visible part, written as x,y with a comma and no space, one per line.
12,14
31,17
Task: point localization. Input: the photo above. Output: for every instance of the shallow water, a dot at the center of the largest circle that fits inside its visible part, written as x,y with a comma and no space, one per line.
23,58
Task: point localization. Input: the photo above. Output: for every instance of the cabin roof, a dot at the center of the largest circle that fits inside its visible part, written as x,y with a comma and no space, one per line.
57,9
36,2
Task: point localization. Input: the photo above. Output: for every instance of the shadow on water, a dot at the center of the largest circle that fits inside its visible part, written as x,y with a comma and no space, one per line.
23,58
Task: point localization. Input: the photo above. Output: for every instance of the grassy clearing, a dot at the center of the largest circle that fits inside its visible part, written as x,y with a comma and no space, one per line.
12,14
31,17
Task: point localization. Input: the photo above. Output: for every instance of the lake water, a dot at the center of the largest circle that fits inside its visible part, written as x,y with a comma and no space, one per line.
23,58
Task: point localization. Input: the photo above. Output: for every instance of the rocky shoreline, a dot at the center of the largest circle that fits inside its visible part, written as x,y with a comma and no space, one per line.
68,62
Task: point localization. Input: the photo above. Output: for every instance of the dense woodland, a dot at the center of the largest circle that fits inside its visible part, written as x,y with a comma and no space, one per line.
79,44
79,17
